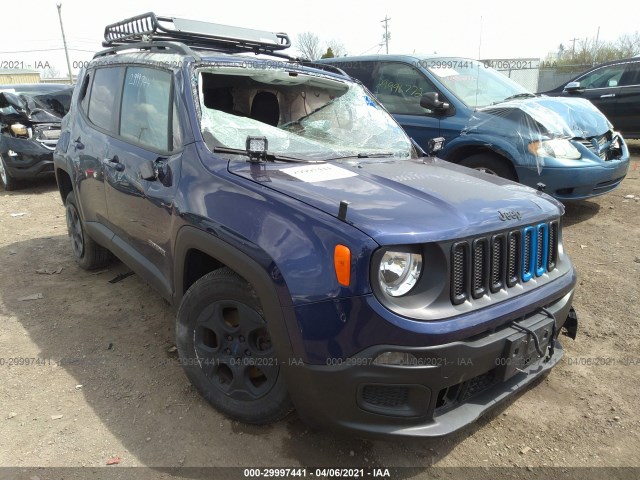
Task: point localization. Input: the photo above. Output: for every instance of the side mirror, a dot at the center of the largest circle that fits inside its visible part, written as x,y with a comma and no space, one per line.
431,101
613,83
573,87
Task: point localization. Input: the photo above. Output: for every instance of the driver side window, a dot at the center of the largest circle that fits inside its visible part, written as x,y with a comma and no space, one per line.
399,87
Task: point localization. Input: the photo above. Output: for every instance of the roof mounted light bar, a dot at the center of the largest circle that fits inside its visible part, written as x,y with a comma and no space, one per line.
193,33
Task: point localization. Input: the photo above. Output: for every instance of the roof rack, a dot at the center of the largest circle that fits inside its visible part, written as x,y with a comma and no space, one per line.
193,33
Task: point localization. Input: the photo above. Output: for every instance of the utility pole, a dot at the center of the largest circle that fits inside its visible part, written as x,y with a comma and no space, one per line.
573,49
595,46
64,41
386,35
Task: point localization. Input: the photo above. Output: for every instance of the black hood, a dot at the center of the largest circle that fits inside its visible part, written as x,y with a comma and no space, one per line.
36,106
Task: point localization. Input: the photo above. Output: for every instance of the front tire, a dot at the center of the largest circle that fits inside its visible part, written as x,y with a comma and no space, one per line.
86,252
226,350
9,182
491,164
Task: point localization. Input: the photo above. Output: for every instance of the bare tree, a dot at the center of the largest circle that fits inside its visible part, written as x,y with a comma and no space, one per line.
50,72
629,44
586,52
337,48
309,45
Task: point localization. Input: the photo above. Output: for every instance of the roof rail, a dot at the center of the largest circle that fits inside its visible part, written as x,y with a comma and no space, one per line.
326,67
193,33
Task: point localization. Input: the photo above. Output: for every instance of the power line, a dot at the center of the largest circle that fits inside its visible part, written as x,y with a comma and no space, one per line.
49,50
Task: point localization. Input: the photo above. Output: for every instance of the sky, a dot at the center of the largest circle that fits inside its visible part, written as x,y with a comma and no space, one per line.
489,29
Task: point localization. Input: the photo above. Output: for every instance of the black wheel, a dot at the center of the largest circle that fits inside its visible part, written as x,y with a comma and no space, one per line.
87,253
9,182
226,350
491,164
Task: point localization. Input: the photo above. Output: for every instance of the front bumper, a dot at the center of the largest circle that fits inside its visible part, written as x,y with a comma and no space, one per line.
29,158
569,180
452,386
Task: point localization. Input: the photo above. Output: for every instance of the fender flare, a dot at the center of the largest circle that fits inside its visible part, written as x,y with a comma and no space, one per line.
190,237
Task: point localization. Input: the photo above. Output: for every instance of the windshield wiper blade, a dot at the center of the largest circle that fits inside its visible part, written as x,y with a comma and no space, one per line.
518,95
365,155
270,156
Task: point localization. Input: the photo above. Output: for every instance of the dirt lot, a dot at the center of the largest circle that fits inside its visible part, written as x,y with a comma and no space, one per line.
106,384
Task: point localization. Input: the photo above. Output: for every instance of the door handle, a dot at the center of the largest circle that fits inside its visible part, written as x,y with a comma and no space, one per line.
608,95
78,144
113,163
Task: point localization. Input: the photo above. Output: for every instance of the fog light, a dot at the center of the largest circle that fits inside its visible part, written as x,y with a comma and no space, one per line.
257,148
396,358
11,153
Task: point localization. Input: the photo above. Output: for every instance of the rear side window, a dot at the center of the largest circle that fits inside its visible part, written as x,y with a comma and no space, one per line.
146,110
631,75
85,92
106,84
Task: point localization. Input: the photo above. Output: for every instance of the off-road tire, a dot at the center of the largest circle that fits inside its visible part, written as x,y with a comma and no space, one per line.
226,350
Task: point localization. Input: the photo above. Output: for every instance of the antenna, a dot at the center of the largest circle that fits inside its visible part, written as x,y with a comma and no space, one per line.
479,57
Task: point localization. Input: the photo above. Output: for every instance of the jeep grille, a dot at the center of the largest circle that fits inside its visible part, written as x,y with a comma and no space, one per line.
489,264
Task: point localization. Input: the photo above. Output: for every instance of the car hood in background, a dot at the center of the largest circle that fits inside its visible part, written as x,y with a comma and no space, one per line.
540,118
42,107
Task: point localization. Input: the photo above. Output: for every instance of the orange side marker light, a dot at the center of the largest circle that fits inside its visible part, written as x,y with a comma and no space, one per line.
342,264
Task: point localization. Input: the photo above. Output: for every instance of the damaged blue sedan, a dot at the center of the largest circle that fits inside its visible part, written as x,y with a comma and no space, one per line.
565,146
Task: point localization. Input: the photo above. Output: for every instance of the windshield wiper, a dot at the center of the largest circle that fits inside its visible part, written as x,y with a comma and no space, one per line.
270,156
517,95
364,155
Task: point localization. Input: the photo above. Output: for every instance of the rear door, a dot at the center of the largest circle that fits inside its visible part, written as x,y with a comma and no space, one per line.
148,140
91,132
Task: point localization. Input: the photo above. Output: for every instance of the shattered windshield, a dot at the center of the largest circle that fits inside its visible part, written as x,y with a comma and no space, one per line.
474,83
303,115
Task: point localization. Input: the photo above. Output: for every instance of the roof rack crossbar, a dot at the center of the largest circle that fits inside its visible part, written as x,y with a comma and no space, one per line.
157,47
193,33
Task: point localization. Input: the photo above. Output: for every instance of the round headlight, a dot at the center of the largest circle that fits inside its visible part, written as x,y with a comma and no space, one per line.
399,272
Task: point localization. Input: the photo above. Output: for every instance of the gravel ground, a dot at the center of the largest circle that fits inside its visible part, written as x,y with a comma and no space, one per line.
103,381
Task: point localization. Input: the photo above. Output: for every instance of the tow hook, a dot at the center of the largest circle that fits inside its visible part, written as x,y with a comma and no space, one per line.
570,327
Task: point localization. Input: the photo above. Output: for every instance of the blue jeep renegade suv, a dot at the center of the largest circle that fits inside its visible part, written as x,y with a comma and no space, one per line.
317,258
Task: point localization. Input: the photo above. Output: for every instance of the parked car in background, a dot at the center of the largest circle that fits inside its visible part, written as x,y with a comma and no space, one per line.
493,124
30,118
316,257
613,87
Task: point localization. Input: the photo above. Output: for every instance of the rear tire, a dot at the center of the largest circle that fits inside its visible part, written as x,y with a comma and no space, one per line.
86,252
226,350
9,182
491,164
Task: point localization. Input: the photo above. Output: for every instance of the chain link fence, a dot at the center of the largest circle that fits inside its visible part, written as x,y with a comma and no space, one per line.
534,74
